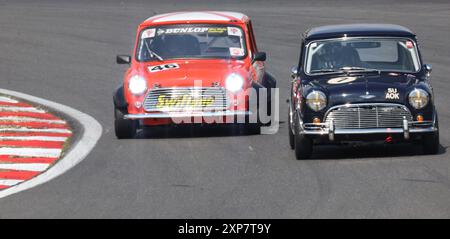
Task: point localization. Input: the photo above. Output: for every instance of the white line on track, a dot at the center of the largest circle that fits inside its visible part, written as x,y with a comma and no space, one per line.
23,129
39,138
9,182
30,119
7,99
21,109
38,167
31,152
91,133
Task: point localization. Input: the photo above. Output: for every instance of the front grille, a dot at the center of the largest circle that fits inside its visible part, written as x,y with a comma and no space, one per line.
180,99
368,116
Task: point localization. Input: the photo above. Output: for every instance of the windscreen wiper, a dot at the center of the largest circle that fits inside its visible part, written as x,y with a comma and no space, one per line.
329,70
153,54
358,69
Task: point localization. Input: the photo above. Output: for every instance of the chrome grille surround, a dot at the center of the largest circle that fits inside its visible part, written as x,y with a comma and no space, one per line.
220,103
368,116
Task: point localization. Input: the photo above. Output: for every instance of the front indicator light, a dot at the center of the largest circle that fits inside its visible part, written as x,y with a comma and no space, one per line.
316,120
419,118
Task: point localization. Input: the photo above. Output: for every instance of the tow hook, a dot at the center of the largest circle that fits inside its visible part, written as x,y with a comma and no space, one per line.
388,140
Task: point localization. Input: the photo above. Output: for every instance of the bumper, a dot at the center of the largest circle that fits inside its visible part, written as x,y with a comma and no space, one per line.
165,115
409,127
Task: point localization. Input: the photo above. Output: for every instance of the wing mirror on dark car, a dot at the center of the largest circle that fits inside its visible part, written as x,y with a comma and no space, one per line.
294,72
259,56
123,59
428,69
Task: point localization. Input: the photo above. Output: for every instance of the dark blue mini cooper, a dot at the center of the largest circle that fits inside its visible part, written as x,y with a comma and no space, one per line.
361,82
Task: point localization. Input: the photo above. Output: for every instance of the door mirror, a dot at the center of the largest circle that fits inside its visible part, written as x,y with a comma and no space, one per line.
259,56
294,72
123,59
428,69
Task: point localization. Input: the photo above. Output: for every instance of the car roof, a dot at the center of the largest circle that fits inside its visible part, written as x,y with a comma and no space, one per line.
349,30
196,17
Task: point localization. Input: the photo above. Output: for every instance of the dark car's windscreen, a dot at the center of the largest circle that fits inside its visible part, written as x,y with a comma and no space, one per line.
191,41
385,54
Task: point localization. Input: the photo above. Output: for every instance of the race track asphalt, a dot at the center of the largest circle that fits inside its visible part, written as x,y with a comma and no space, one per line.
65,52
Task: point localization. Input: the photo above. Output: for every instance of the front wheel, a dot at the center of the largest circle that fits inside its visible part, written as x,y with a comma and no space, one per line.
430,143
124,128
303,146
291,135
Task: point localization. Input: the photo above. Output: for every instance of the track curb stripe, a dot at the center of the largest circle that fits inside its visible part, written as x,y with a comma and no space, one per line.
17,175
36,167
34,125
48,134
10,159
32,143
90,133
31,152
28,114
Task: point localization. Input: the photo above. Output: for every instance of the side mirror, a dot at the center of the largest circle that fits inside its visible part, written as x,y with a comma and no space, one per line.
428,69
294,72
259,56
123,59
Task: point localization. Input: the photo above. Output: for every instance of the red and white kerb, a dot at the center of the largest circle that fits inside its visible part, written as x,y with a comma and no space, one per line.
31,141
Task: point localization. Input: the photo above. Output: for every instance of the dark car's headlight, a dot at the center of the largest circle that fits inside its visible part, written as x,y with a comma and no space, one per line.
418,98
316,100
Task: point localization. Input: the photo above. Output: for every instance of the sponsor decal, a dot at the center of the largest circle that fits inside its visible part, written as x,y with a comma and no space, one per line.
217,30
184,101
341,80
163,67
160,31
235,51
183,30
392,94
149,33
234,31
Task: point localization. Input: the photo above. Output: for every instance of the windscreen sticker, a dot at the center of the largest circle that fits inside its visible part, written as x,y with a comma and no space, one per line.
217,30
392,94
235,51
182,30
409,44
163,67
149,33
234,31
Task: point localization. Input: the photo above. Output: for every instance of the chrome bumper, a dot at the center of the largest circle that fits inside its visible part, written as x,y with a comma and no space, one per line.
330,130
164,115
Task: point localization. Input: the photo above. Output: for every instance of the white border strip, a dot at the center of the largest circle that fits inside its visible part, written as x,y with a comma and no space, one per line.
92,131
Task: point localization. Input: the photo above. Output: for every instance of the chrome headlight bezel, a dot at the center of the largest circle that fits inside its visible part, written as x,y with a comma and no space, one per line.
418,98
137,85
234,82
316,100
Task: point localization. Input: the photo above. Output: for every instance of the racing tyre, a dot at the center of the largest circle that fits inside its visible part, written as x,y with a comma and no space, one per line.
291,135
125,129
253,129
303,146
431,142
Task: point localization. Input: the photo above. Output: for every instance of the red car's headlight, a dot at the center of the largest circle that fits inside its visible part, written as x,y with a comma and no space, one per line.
137,85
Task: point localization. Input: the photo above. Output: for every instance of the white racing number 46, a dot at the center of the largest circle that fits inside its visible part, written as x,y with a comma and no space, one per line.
163,67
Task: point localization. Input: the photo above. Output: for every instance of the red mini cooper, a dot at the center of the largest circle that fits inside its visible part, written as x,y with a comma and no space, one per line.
191,67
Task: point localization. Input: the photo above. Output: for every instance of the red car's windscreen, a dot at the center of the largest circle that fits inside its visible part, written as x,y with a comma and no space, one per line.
191,41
